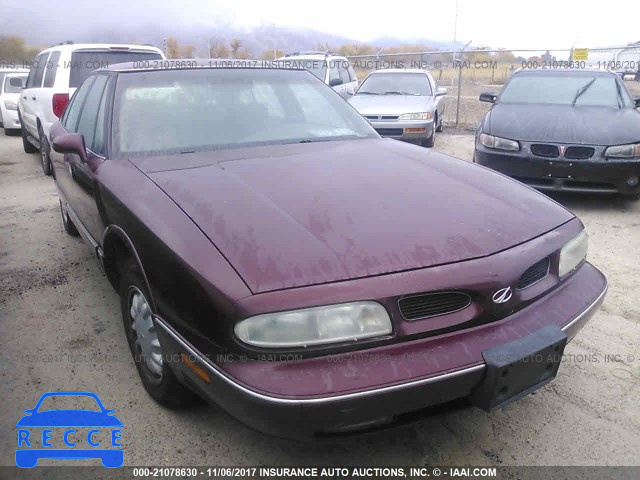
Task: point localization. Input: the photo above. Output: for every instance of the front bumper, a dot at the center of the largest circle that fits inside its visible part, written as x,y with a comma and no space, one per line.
595,175
414,131
10,119
239,386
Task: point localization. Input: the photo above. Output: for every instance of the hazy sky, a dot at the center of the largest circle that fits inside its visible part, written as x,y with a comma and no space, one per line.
497,23
531,24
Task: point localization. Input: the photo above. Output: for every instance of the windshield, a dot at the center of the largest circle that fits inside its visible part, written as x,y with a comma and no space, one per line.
84,62
396,83
193,110
8,88
565,88
319,69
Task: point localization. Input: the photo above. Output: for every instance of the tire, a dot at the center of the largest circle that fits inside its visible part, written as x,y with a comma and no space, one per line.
45,158
440,127
430,142
157,378
26,144
67,224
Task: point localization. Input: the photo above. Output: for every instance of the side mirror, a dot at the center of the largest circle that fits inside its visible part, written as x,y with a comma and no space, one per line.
488,97
70,143
334,82
441,91
16,82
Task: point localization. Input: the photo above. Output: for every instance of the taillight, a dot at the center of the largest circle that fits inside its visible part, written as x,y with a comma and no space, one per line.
59,101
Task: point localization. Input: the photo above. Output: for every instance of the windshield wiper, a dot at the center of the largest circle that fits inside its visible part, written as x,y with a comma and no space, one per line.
581,90
367,93
399,93
620,98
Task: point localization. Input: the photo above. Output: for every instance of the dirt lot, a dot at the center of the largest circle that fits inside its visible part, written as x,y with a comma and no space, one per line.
61,329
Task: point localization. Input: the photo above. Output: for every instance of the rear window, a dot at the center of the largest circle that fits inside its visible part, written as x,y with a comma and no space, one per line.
84,62
8,88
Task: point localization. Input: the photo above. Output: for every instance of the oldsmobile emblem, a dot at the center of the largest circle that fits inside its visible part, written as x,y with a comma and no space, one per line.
503,295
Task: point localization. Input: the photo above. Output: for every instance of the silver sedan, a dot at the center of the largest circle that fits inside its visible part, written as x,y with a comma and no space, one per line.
403,104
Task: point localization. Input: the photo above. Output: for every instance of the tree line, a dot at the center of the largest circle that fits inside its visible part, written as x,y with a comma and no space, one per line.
14,49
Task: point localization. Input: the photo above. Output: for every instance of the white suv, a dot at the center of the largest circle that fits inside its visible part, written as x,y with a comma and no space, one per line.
334,70
54,76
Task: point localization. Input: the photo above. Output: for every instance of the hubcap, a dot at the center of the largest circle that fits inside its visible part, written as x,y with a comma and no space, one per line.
146,341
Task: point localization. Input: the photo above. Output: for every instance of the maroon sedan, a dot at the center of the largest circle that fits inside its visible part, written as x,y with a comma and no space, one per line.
277,257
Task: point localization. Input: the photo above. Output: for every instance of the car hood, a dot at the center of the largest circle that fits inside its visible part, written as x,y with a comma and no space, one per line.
390,104
304,214
564,124
69,418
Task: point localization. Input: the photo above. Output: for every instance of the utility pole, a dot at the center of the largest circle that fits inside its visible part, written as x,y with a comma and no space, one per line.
455,35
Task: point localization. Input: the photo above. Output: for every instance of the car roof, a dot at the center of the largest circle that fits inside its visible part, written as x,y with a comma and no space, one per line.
71,47
312,56
586,70
196,63
401,70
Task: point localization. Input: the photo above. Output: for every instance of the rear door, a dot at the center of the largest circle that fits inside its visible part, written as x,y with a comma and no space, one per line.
29,98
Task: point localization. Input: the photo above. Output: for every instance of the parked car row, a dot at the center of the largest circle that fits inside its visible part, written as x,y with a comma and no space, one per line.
248,216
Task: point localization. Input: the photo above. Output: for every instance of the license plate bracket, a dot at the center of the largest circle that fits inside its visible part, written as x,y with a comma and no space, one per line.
517,368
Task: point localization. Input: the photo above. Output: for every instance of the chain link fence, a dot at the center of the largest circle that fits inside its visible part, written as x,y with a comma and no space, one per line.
468,72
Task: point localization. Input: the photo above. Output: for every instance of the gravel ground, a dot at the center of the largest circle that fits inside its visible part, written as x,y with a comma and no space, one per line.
61,329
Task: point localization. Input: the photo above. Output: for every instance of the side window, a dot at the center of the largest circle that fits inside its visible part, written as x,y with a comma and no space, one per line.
52,68
101,123
333,71
343,72
33,72
71,114
352,74
41,63
89,113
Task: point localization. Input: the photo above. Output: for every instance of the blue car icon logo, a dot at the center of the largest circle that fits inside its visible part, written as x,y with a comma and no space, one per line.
69,433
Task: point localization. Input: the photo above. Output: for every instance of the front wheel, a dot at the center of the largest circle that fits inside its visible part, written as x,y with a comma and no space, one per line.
430,142
139,326
26,144
45,159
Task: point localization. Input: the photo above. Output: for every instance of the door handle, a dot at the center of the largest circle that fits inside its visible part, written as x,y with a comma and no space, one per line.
33,98
25,97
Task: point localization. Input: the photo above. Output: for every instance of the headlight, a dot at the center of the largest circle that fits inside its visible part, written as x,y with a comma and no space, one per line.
499,143
415,116
623,151
314,326
10,105
573,253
